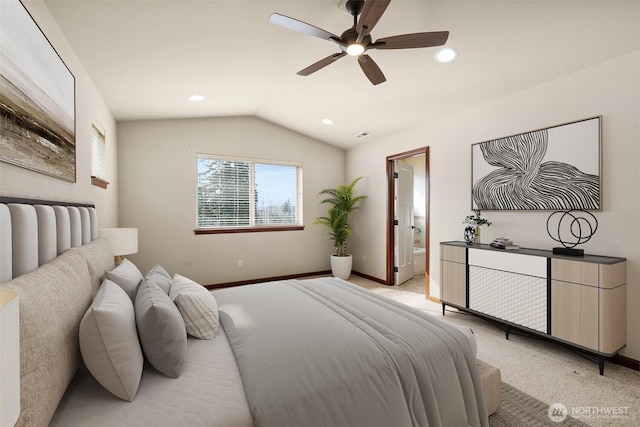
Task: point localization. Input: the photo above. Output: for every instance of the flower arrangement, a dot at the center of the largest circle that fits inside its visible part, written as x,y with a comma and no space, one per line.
472,232
476,219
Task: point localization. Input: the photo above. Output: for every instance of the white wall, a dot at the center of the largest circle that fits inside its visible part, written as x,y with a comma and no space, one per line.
157,170
610,89
20,182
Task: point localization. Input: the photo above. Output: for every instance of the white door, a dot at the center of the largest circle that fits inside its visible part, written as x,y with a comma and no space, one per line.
404,217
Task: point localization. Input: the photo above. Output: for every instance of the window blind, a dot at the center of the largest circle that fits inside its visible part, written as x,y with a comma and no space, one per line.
98,153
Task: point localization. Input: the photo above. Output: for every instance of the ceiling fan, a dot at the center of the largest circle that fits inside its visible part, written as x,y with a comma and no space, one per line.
356,40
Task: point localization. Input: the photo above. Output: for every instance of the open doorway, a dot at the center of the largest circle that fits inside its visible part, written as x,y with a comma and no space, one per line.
408,216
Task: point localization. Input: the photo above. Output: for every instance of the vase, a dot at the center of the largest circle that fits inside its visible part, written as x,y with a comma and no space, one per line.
341,266
469,235
477,233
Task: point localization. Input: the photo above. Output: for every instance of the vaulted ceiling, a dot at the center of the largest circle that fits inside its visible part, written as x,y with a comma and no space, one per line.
147,56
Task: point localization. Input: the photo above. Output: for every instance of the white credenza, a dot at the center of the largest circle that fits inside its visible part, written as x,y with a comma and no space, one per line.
579,301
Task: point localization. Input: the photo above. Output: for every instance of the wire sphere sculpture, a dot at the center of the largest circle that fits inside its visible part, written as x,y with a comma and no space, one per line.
573,228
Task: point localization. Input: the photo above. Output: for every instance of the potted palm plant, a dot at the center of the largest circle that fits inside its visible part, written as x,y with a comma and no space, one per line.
342,203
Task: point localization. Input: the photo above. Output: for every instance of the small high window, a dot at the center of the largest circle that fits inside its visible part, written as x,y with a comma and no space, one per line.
98,157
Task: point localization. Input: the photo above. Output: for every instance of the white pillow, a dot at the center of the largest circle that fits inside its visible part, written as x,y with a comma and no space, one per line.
109,342
161,278
161,329
127,276
197,306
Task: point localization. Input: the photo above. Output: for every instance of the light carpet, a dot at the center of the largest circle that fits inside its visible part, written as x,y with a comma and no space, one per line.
542,369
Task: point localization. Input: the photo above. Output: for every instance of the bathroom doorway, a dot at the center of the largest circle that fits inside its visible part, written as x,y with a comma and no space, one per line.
408,220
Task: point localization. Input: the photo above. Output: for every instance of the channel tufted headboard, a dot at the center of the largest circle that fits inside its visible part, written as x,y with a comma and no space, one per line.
33,233
51,256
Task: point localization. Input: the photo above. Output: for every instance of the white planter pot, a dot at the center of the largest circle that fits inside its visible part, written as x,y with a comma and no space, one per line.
341,266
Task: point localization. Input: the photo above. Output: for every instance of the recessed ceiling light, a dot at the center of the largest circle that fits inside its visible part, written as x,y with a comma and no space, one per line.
327,121
446,54
196,98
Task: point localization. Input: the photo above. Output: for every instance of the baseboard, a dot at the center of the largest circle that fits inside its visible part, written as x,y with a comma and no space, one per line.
373,279
265,279
627,362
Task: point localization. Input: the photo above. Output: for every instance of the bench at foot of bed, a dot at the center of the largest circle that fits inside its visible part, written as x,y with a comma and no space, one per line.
491,383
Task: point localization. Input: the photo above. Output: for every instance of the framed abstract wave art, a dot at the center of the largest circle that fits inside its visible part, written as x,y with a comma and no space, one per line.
556,168
37,98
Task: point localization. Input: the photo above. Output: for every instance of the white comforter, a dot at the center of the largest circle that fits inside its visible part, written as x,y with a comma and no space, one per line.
324,352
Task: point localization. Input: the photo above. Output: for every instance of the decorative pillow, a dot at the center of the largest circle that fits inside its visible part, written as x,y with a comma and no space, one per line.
160,276
109,342
127,276
161,330
197,306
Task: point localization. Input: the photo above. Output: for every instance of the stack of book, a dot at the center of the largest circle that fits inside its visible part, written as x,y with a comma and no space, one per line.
504,243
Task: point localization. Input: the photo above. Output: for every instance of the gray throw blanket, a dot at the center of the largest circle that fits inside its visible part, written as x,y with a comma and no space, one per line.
324,352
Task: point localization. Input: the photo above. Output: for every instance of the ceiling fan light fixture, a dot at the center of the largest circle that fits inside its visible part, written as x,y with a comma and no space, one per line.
355,49
446,54
327,122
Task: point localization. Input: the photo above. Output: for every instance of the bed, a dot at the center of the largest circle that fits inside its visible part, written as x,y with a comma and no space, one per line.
289,353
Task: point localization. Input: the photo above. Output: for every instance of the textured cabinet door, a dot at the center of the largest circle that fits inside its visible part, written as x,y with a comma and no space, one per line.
588,304
454,282
453,275
574,313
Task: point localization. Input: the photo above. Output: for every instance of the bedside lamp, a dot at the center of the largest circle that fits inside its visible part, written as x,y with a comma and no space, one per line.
9,358
124,241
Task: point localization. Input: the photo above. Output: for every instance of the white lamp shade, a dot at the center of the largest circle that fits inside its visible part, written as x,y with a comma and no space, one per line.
9,358
124,241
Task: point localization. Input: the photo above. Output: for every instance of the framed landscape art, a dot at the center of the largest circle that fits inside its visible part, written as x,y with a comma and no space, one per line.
556,168
37,98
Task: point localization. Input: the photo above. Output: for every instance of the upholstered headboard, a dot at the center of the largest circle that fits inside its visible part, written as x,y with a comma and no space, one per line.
33,233
51,257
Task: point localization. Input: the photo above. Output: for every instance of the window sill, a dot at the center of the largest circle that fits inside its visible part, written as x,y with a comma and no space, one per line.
99,182
247,229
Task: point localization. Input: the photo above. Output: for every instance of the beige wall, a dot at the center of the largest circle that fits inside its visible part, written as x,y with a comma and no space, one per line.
610,89
19,182
157,170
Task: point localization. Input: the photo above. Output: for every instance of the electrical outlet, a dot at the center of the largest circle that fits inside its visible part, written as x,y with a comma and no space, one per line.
240,263
364,258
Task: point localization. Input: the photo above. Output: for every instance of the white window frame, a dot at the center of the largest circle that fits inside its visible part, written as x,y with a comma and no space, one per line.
298,225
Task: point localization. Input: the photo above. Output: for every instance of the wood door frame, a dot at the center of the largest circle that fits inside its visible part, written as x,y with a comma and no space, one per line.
391,194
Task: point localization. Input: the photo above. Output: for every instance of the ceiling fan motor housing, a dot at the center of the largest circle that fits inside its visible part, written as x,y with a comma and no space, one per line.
351,35
354,7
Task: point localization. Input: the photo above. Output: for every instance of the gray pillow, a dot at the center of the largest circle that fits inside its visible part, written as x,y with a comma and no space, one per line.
160,276
162,332
109,342
197,306
127,276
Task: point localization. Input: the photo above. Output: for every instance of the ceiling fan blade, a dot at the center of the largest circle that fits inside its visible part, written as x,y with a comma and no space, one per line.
301,27
414,40
321,64
371,13
371,69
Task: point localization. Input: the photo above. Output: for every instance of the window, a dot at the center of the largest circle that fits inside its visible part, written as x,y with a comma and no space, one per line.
239,194
98,157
